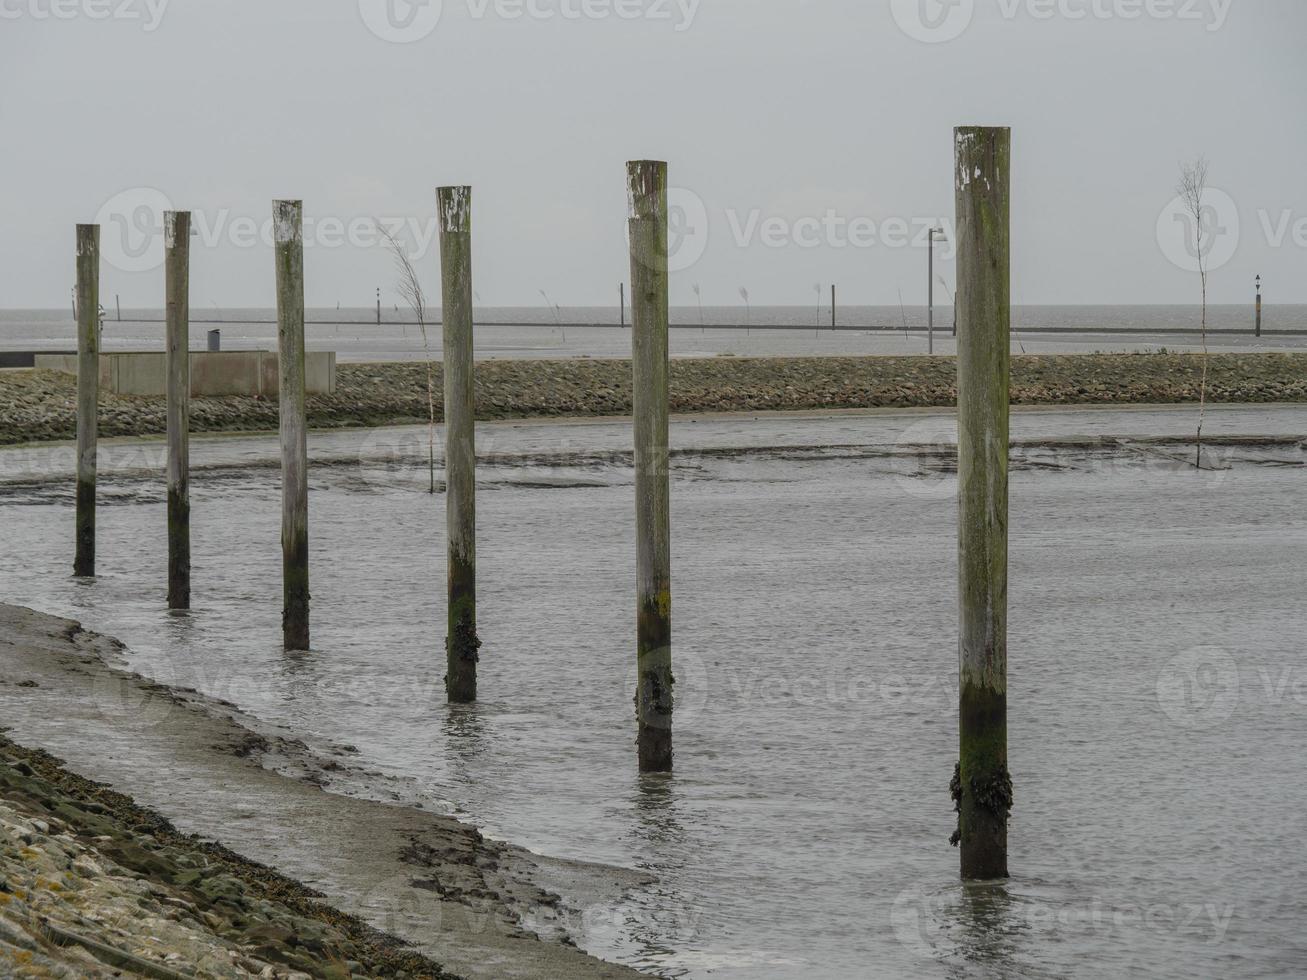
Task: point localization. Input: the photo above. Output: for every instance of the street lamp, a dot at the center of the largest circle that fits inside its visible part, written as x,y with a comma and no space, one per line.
1259,306
930,291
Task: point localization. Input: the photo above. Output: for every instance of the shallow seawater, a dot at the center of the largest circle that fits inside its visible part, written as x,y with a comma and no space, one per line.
1157,680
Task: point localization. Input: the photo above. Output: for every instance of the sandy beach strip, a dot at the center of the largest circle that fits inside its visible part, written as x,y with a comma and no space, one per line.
188,765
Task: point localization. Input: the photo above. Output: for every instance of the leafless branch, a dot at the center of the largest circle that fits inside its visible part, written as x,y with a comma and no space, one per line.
410,290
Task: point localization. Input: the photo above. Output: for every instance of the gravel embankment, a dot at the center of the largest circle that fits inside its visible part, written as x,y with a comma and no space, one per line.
95,886
37,406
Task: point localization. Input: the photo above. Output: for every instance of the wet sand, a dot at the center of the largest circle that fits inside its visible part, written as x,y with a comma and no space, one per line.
476,906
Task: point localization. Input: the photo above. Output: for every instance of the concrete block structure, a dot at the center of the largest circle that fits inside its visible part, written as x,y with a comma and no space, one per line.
251,373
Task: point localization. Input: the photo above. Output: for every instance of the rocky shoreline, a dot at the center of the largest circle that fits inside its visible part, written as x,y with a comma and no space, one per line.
182,837
96,886
41,405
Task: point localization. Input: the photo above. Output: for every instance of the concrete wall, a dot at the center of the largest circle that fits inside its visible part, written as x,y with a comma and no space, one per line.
213,373
24,358
229,372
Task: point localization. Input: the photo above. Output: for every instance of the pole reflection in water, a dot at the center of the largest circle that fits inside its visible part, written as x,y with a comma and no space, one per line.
989,927
661,921
464,729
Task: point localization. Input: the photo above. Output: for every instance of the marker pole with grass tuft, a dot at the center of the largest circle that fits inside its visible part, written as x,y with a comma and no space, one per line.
288,228
647,192
461,641
88,393
982,785
177,251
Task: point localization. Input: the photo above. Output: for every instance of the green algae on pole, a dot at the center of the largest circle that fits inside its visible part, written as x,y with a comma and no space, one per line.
288,233
88,393
647,194
177,251
982,785
461,641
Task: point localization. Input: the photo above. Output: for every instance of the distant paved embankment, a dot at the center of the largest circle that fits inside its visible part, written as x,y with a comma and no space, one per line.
40,405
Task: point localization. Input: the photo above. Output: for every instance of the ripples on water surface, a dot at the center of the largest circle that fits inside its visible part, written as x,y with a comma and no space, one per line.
1158,687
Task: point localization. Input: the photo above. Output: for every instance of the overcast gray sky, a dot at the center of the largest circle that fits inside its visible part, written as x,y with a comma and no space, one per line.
809,141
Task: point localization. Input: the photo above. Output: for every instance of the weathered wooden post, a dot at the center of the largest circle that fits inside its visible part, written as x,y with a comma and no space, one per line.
647,192
88,392
177,252
461,641
288,232
982,783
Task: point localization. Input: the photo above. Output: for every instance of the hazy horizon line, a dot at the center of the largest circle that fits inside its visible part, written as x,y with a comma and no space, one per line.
706,306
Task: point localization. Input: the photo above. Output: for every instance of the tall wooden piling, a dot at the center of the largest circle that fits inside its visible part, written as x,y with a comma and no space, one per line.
982,784
177,252
647,193
461,641
288,231
88,392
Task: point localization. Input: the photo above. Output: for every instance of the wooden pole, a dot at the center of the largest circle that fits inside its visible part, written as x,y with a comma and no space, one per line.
177,257
461,641
88,392
621,299
930,296
647,191
832,306
1258,330
288,225
983,785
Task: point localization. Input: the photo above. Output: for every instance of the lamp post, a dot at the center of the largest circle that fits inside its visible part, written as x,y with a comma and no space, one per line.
930,291
1258,331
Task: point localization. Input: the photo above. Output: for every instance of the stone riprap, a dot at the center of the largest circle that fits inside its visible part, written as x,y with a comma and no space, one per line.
95,886
41,405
